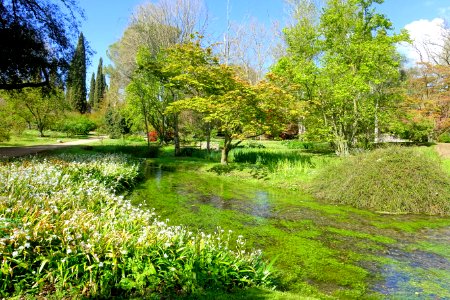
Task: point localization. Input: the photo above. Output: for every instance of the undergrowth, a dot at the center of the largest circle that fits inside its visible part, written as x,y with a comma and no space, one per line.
64,232
392,180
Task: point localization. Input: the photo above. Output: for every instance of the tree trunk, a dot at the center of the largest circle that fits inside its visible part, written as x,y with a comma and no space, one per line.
41,130
208,138
376,129
144,113
176,136
341,147
226,150
301,127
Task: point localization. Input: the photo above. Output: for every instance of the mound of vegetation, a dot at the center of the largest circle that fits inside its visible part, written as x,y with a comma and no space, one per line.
65,233
392,180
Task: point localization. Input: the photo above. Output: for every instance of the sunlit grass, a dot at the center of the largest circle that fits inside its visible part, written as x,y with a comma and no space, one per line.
32,138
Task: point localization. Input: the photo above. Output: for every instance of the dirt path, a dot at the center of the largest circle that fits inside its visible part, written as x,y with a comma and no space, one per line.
22,151
443,150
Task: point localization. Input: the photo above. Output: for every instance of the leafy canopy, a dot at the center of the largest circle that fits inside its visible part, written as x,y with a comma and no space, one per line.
35,37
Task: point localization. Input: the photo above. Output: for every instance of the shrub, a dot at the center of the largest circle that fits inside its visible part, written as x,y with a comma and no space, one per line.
252,144
76,125
153,136
4,134
296,144
444,138
393,180
64,232
115,123
153,151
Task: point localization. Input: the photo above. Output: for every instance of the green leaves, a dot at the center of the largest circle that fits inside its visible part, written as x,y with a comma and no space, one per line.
344,65
200,84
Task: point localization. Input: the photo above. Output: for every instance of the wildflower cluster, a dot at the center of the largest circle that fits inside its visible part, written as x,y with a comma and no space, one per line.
64,229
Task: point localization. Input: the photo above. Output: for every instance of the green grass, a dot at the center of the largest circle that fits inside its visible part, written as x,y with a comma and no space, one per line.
32,138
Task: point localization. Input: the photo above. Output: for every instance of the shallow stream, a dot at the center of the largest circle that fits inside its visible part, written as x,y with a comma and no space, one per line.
319,249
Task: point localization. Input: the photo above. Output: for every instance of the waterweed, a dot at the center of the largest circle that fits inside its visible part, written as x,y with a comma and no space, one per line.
64,229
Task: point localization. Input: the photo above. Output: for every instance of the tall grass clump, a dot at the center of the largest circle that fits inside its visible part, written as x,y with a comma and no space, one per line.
392,180
283,165
65,232
271,158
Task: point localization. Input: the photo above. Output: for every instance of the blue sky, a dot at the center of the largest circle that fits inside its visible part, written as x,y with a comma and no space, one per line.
106,20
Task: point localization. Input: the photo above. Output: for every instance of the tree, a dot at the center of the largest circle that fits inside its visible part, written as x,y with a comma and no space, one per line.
150,93
155,26
100,86
345,67
249,45
239,109
428,87
92,91
76,81
38,105
35,37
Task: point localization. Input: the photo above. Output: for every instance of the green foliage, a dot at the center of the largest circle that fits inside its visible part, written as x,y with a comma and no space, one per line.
296,144
444,138
343,68
4,134
63,231
116,125
92,91
217,93
76,80
100,86
392,180
37,107
76,125
414,128
272,159
5,129
253,144
36,37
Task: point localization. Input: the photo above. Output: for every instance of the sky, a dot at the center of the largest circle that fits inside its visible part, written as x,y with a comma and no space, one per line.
106,20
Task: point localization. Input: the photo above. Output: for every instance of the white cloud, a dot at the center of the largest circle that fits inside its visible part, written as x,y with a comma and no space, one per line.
427,37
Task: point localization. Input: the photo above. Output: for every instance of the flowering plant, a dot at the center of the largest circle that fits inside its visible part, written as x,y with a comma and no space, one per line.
64,230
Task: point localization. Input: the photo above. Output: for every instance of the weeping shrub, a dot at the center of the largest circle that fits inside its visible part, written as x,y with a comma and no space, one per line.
392,180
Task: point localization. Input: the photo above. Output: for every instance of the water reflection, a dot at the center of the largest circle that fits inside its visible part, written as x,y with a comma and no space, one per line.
262,207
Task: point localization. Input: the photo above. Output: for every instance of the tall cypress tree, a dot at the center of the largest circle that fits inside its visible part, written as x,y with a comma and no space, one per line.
99,85
92,91
76,81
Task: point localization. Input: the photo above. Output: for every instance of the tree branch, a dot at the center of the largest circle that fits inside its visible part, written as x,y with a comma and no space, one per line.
18,86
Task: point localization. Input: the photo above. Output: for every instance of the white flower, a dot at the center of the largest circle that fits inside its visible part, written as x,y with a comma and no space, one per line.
15,254
69,251
100,265
27,245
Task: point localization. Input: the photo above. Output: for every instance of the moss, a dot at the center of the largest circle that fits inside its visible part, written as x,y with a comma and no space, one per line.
440,248
319,248
361,235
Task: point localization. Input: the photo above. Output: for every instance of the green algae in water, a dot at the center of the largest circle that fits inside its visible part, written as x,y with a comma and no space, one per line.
320,248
